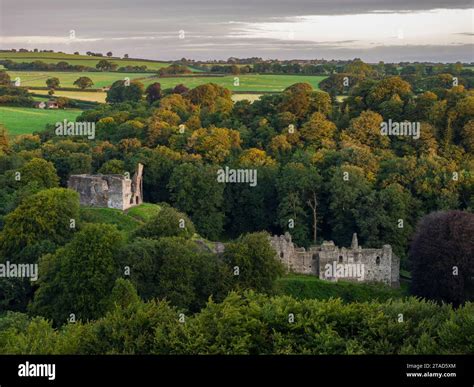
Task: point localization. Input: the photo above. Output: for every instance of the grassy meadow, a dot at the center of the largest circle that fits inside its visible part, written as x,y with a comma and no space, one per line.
67,79
302,286
20,120
84,60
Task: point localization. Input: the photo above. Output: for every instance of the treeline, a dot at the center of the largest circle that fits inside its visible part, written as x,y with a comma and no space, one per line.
251,324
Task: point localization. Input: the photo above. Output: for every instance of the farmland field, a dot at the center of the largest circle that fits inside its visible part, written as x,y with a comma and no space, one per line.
19,120
253,82
94,96
100,79
84,60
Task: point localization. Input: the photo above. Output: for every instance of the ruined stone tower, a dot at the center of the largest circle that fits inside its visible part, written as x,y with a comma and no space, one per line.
112,191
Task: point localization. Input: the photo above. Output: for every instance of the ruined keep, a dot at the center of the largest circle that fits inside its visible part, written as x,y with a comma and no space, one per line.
355,263
112,191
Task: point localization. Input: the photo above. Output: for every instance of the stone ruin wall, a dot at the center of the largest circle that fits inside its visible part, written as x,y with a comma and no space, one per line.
108,191
380,265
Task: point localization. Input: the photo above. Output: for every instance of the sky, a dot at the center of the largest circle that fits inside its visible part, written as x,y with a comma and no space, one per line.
373,30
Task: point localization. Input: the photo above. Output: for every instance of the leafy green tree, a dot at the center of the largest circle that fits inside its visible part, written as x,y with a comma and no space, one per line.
194,189
39,171
253,262
45,216
113,166
441,256
346,188
298,188
175,269
105,65
5,79
123,294
79,277
83,82
167,223
53,83
120,91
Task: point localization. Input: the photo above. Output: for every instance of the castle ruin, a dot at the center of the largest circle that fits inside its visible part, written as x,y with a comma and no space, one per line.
332,263
109,191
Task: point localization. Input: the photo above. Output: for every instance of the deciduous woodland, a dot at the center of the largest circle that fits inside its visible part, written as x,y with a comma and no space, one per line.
148,280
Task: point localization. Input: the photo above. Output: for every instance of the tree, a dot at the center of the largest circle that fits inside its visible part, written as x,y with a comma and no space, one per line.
44,217
253,258
346,188
120,91
366,129
194,189
5,79
180,89
105,65
113,166
208,96
153,92
215,144
175,269
53,83
109,54
442,257
83,82
298,188
297,100
167,223
319,131
40,172
123,294
3,139
467,136
79,277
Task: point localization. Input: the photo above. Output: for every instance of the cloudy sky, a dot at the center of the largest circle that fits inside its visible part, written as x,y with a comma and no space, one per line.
389,30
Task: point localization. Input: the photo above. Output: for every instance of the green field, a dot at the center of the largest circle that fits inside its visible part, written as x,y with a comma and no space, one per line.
19,120
307,286
251,82
84,60
254,82
100,79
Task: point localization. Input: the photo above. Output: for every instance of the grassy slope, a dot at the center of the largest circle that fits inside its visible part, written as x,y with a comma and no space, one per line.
306,286
127,221
91,61
19,120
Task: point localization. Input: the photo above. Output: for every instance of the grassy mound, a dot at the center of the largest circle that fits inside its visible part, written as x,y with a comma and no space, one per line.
126,222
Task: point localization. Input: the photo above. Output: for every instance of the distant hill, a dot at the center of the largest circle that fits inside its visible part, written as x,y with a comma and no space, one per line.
84,60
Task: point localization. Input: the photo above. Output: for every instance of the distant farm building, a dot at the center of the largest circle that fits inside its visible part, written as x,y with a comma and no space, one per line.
51,104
